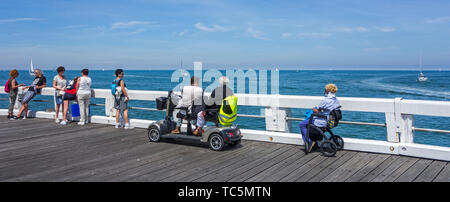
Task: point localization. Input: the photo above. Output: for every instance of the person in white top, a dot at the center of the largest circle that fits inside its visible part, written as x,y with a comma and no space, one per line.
192,94
59,83
84,96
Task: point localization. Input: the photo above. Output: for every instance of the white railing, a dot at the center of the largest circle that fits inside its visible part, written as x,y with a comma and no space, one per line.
399,119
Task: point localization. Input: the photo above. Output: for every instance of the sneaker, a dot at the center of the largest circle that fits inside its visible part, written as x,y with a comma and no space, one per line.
13,118
81,123
116,125
57,121
25,117
127,126
9,116
63,122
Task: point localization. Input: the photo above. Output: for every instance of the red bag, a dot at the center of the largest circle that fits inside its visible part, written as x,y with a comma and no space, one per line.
7,86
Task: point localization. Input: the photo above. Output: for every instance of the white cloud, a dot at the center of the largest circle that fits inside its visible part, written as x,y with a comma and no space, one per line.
121,25
214,28
18,20
351,29
257,34
438,20
286,35
313,35
74,26
386,29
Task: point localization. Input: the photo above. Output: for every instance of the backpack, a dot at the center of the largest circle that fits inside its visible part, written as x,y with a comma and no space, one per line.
71,87
114,86
7,89
335,117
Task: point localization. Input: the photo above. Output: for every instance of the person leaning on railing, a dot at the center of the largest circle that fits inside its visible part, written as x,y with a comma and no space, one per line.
121,100
39,82
13,90
328,104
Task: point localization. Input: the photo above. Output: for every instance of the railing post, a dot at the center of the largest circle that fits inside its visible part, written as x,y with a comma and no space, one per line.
276,119
391,128
109,107
407,133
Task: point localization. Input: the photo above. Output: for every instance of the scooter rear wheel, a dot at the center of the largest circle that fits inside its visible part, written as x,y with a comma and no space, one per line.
338,141
216,142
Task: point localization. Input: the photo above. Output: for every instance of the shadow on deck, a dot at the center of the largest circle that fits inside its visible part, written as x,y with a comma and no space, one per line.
41,150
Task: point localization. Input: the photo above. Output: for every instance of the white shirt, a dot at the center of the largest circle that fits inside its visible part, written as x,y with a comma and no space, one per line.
191,93
84,87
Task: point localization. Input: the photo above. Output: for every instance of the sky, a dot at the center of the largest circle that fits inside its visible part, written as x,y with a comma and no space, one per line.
144,34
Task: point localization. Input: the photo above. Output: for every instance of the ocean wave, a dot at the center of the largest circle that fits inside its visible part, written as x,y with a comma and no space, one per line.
377,84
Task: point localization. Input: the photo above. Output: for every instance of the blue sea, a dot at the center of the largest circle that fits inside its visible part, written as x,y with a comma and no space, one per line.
369,84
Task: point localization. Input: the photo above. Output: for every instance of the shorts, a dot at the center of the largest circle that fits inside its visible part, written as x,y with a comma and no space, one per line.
58,99
28,96
120,103
68,96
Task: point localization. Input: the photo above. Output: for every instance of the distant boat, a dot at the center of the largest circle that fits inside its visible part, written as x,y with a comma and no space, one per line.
422,77
103,69
31,70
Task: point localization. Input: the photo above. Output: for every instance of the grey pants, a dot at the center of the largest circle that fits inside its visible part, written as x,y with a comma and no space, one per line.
12,102
83,102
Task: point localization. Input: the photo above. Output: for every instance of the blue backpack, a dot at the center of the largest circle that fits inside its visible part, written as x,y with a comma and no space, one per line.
114,85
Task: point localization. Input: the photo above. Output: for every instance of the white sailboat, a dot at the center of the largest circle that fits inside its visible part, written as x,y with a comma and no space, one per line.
421,77
31,70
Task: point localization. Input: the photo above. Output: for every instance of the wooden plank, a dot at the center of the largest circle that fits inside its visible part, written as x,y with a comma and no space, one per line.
374,173
431,171
228,169
372,165
318,168
350,167
205,167
184,166
66,165
244,176
41,163
332,167
391,169
444,175
305,168
402,169
414,171
280,174
244,166
260,177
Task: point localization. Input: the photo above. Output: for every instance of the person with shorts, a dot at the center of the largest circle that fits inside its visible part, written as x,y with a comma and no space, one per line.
39,82
121,100
59,83
69,95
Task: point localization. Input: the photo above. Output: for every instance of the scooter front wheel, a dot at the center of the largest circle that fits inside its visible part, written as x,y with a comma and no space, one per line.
154,135
328,148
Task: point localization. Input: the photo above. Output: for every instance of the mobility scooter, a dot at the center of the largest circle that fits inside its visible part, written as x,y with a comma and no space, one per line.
217,137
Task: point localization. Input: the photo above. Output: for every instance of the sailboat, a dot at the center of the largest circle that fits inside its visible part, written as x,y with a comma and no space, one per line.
422,77
31,70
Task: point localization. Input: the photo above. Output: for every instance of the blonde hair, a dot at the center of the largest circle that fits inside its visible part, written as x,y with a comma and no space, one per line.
331,88
13,72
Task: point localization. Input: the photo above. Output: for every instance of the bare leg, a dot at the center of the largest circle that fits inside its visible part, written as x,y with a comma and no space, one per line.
57,111
21,110
125,116
65,109
117,116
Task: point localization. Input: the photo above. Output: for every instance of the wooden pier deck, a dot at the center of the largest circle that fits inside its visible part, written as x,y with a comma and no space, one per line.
41,150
